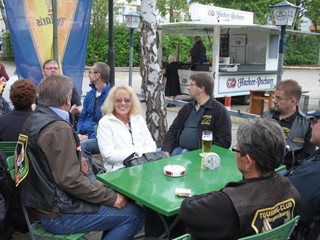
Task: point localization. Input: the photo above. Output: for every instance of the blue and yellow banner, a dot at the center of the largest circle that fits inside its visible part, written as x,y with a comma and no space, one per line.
31,29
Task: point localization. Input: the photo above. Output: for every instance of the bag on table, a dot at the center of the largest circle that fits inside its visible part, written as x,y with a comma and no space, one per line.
134,159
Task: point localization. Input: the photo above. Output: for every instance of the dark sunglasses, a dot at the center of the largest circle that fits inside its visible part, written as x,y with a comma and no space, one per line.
234,149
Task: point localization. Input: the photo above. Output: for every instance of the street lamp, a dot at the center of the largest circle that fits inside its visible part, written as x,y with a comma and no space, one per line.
132,22
284,15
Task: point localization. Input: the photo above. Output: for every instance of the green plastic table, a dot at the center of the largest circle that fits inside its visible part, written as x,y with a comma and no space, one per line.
148,185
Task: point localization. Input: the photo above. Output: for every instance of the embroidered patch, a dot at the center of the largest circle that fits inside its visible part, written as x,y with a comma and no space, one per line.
273,216
298,139
206,120
84,165
21,159
286,132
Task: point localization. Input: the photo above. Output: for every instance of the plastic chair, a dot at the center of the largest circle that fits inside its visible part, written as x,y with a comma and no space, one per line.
280,168
183,237
282,232
8,148
35,229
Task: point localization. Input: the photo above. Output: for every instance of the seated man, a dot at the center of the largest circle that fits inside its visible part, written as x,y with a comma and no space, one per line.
203,113
295,124
57,182
306,178
262,198
91,113
22,95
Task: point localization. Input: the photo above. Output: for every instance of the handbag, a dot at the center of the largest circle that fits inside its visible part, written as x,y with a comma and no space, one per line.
134,159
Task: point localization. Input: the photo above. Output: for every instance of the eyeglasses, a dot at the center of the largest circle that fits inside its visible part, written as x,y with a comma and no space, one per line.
92,72
52,68
314,121
279,99
120,100
234,149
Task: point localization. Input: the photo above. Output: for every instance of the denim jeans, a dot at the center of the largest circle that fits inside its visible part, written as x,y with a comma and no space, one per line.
115,223
179,150
90,147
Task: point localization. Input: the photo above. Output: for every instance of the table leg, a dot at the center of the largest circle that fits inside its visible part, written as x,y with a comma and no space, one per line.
168,229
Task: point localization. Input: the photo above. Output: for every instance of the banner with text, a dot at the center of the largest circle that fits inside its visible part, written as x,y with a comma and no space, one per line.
31,29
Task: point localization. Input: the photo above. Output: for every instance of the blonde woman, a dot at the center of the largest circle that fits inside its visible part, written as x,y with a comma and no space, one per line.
122,130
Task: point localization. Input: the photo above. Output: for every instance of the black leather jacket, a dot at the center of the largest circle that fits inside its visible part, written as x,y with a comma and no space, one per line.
215,118
298,141
39,189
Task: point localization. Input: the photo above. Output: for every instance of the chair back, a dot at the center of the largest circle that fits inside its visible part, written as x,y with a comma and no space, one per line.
281,232
10,163
8,148
183,237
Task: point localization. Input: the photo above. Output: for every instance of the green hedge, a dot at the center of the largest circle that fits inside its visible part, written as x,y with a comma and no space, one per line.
304,50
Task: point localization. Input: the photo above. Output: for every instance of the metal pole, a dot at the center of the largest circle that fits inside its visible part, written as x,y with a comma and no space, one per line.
55,30
111,47
281,53
131,56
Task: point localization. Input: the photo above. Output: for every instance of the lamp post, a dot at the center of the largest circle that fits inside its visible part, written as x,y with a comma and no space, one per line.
284,15
111,45
132,22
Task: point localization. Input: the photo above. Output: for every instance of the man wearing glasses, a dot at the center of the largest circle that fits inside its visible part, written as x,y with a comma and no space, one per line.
51,67
203,113
295,124
91,113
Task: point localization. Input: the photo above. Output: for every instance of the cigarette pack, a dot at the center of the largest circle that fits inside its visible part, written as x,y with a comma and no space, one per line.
183,192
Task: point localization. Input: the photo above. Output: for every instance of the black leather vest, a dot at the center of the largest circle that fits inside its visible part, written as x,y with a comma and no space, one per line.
38,189
272,198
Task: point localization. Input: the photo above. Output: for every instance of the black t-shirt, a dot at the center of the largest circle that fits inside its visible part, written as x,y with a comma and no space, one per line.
75,98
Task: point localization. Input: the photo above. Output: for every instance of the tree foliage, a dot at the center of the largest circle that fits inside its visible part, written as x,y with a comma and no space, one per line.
99,17
171,7
313,12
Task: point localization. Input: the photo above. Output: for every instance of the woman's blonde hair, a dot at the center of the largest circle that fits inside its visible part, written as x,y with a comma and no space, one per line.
171,59
108,105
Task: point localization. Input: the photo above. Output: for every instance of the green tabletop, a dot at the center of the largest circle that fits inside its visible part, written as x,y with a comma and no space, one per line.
148,185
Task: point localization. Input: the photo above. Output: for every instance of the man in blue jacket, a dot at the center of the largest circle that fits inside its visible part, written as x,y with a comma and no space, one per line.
91,113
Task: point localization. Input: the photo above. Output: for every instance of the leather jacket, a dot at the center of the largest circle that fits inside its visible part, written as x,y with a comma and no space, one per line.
39,190
298,141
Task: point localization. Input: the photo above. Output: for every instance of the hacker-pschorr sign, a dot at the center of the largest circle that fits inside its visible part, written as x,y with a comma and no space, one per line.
213,14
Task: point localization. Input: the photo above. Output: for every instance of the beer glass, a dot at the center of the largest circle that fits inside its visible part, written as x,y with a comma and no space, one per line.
206,142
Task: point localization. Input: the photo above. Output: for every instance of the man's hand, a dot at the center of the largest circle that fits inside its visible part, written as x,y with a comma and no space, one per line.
121,201
82,137
167,154
75,110
3,81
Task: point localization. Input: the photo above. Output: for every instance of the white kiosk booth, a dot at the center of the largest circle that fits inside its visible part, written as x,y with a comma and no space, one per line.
249,50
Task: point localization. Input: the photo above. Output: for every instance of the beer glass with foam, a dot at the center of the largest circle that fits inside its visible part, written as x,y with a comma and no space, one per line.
206,142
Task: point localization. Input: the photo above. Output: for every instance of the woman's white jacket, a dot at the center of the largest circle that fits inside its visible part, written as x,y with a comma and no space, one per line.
116,143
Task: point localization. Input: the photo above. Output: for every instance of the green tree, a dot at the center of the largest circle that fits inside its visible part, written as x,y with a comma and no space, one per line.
99,16
313,12
172,7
